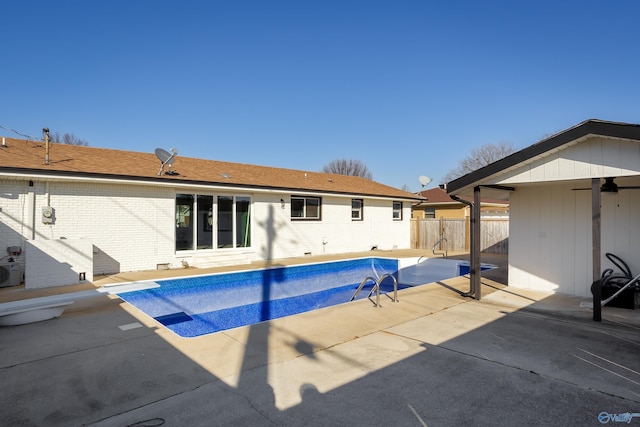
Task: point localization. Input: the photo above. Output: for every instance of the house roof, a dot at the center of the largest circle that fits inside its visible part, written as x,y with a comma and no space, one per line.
27,158
438,196
554,143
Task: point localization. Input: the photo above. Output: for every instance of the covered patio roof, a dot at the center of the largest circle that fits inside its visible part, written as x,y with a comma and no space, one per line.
609,159
497,182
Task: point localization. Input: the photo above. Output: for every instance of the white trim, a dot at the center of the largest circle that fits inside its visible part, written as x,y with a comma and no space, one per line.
213,186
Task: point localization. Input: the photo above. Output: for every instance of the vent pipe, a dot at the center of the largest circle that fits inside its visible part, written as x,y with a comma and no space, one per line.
45,131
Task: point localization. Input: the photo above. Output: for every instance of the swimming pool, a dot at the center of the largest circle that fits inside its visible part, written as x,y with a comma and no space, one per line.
201,305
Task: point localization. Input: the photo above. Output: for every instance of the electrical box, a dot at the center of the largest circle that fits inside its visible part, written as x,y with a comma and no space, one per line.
14,250
9,274
48,215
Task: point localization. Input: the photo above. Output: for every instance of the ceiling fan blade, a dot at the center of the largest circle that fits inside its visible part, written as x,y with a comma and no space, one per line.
609,186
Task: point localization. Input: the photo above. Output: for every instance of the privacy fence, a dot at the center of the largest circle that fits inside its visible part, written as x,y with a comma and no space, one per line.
427,232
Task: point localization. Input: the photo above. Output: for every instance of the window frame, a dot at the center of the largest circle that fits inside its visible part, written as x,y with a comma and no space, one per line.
305,216
397,211
192,222
359,210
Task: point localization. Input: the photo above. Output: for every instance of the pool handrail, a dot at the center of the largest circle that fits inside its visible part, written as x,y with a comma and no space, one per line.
376,288
446,248
366,279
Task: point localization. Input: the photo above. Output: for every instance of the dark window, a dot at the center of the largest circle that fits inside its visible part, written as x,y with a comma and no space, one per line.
305,207
184,222
225,221
356,209
203,224
397,211
243,222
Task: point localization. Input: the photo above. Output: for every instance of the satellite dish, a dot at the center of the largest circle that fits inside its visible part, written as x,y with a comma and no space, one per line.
166,158
424,180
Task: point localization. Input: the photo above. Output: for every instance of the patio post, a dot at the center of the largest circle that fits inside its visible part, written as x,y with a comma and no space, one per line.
476,291
596,249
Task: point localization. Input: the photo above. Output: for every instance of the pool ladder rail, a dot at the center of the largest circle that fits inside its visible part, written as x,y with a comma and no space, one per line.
376,288
444,254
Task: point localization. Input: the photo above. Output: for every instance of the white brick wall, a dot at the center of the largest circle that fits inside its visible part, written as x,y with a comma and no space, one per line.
132,226
341,234
58,262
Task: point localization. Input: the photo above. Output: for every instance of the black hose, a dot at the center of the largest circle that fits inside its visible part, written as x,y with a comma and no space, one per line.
152,422
624,267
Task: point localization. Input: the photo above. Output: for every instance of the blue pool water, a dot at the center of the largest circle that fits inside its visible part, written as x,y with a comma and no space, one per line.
201,305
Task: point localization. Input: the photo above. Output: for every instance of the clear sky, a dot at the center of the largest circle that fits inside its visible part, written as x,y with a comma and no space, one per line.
406,87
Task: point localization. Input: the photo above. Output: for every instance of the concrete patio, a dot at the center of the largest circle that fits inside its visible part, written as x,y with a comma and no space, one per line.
434,358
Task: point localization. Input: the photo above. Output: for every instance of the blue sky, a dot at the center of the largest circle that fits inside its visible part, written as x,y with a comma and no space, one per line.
406,87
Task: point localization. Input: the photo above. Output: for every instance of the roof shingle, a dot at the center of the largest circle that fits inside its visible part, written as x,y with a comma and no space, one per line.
28,157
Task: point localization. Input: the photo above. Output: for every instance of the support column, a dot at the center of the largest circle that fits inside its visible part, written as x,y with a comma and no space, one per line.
596,248
476,292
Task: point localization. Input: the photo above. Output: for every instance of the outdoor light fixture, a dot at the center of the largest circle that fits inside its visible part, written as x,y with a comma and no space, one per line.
282,203
609,186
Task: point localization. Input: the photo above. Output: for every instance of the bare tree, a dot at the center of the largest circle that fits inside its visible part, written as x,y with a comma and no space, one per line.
479,157
68,138
348,167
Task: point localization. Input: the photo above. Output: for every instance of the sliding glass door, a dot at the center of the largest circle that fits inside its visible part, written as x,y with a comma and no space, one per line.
208,222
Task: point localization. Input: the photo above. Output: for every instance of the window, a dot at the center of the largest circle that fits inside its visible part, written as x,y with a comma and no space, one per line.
305,207
220,222
430,212
225,221
205,223
397,211
243,223
184,221
356,209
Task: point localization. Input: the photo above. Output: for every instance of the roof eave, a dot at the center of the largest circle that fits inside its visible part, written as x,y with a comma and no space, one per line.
588,127
165,180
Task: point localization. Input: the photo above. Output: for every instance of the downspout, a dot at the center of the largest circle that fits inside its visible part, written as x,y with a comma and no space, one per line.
47,197
31,212
471,241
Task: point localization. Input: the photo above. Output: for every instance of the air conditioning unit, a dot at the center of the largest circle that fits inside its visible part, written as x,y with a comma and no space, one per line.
9,274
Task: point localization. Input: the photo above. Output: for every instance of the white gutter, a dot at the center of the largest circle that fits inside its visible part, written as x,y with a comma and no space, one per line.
173,184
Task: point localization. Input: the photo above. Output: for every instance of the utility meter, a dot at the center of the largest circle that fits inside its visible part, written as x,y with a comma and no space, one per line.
47,215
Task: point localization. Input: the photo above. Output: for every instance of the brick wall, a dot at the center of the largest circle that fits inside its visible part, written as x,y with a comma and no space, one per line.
132,227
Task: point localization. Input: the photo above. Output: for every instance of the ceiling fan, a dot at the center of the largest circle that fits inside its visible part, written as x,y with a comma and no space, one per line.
609,186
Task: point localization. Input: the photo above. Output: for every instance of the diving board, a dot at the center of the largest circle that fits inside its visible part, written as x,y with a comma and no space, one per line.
44,308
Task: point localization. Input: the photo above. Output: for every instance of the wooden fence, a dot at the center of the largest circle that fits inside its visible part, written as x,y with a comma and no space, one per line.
427,232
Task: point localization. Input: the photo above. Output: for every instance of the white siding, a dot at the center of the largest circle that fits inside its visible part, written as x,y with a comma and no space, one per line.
592,158
621,228
550,236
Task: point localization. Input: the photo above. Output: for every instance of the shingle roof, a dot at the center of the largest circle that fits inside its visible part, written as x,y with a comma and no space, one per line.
28,158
